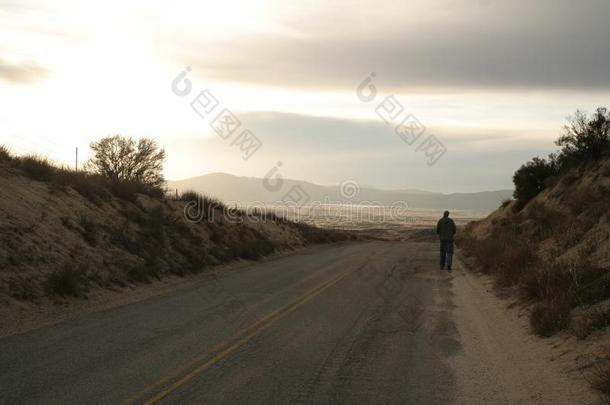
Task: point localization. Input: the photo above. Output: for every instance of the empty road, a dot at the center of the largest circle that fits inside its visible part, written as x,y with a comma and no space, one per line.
361,323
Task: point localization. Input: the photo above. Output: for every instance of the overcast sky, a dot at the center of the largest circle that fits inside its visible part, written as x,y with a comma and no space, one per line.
492,81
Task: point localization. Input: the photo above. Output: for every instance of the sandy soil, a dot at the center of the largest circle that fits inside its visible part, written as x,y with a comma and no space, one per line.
520,368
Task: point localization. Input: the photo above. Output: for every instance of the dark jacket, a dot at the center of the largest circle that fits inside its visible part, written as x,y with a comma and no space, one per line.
445,228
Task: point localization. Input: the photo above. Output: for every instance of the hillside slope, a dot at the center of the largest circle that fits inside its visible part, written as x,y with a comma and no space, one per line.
554,255
64,234
569,221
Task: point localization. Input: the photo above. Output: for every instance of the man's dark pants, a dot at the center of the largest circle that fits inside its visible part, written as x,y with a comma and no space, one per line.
446,253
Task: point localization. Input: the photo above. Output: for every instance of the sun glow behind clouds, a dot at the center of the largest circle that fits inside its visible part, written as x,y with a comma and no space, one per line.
108,68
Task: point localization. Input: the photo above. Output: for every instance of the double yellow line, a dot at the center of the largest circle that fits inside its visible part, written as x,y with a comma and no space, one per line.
199,364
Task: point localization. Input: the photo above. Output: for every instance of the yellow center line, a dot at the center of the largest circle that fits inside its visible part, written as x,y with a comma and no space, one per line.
223,351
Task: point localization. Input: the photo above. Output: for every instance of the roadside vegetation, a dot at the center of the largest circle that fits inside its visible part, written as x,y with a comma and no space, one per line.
585,139
551,244
113,225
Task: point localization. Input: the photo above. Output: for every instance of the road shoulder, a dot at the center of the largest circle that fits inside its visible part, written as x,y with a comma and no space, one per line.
501,361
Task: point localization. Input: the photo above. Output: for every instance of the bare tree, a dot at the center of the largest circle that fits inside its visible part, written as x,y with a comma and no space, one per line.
123,159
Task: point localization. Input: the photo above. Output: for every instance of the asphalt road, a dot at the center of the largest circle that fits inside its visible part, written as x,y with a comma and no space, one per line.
366,323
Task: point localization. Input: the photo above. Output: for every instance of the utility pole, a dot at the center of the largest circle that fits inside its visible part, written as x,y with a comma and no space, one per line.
76,162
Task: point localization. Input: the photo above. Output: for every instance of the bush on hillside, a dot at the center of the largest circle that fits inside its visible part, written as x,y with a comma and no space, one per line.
37,167
94,187
586,137
601,379
5,154
200,207
530,179
68,281
123,159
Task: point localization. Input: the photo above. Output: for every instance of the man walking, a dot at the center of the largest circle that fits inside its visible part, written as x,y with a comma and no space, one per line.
445,229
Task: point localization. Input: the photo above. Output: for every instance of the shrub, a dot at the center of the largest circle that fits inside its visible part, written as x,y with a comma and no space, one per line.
546,219
560,288
579,198
92,187
143,273
514,260
601,379
23,288
592,319
37,167
547,282
547,318
189,195
200,207
154,235
592,284
586,137
5,154
89,230
138,274
571,233
69,281
196,259
123,159
253,244
530,179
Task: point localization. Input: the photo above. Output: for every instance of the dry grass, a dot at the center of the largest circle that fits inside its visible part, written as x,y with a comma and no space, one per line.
558,289
546,221
88,230
5,154
94,187
23,288
204,208
36,167
554,288
554,253
503,254
549,317
600,379
127,233
581,197
594,318
70,281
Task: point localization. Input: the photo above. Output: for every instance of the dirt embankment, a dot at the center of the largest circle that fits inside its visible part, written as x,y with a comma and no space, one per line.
554,255
66,237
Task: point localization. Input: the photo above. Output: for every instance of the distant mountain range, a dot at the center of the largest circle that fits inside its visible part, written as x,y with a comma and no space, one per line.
251,189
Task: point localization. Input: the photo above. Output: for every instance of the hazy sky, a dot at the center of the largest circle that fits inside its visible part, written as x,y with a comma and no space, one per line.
493,81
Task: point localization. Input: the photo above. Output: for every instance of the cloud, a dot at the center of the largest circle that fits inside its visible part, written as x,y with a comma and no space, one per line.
329,150
13,5
331,135
464,45
21,73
